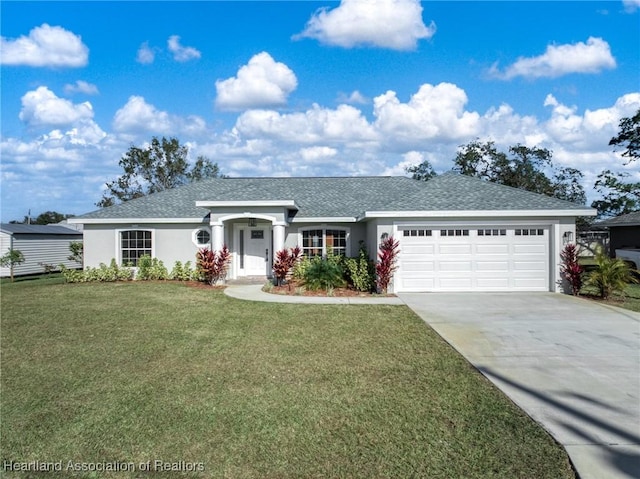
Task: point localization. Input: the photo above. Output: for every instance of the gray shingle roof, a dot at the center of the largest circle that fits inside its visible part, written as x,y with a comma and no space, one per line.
337,196
630,219
18,228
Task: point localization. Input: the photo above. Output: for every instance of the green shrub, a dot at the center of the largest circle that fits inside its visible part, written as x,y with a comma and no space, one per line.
360,271
151,269
611,275
301,267
324,274
102,273
181,272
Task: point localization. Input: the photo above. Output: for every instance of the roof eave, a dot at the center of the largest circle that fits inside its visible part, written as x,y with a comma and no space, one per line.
477,213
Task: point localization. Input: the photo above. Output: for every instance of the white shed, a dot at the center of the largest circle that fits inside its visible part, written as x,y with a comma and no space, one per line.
40,244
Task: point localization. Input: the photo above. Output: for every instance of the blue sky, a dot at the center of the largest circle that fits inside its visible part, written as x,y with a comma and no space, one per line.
305,88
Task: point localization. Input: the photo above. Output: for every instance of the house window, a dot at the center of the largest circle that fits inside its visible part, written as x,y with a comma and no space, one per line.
319,242
313,243
454,232
530,232
417,232
492,232
201,237
133,245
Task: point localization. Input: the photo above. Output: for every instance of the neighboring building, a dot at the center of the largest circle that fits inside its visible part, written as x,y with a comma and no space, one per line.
40,244
624,231
456,233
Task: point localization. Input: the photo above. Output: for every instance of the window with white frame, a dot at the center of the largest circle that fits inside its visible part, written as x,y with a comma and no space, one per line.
319,242
133,245
201,237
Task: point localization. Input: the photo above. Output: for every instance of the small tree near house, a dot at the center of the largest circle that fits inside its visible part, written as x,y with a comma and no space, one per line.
386,265
12,258
570,269
284,263
212,266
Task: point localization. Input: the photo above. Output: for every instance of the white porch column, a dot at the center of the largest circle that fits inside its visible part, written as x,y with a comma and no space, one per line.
278,237
217,236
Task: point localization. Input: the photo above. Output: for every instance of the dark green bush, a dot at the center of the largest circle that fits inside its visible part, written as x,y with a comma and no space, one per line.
360,271
324,273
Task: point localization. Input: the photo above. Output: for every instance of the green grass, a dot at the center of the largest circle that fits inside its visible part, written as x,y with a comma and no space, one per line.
630,299
138,372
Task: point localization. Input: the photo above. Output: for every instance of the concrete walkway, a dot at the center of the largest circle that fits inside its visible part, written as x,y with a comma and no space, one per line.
253,292
572,364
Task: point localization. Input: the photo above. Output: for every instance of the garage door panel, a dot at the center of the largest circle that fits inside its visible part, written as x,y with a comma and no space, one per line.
529,266
409,248
492,249
487,262
446,266
418,266
492,266
529,248
454,249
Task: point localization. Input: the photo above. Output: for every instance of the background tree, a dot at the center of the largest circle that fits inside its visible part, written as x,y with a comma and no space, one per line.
46,218
629,137
12,258
423,172
162,165
527,168
618,195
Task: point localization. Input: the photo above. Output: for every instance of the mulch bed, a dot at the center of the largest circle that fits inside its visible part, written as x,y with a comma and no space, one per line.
290,290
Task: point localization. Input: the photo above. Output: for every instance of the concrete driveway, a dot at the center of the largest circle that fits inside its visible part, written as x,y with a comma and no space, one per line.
571,364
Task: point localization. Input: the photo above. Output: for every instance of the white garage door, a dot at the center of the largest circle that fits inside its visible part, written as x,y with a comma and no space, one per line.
473,259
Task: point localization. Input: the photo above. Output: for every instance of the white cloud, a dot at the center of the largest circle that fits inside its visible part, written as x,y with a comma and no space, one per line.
630,6
81,86
263,82
137,116
558,60
354,98
434,112
316,154
146,54
41,107
394,24
593,129
46,46
344,125
180,53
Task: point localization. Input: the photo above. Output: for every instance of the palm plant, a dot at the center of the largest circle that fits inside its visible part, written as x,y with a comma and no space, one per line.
611,275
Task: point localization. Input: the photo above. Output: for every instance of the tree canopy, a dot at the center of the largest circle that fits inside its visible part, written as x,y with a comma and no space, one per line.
620,196
527,168
162,165
423,172
629,137
46,218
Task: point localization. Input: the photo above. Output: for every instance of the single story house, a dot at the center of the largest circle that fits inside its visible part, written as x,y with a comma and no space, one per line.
43,246
624,231
456,233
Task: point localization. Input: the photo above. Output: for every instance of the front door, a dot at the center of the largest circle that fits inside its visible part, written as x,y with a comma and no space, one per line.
256,251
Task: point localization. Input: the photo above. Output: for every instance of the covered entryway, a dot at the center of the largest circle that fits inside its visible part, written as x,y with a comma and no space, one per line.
252,247
473,258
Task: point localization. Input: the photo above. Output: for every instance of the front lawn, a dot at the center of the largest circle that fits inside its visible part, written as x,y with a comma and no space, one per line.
137,372
630,299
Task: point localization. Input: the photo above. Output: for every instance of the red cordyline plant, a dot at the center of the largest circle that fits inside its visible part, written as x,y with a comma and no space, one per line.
213,265
285,261
386,265
570,269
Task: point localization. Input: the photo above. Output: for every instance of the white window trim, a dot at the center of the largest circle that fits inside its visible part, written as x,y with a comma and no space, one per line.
194,237
118,232
324,228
